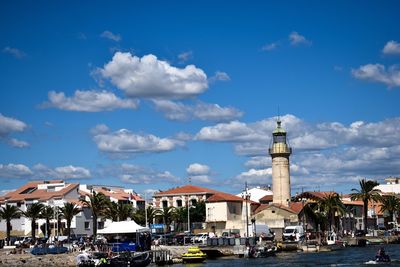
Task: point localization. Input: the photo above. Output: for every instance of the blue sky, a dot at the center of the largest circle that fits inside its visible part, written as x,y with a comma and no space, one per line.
146,94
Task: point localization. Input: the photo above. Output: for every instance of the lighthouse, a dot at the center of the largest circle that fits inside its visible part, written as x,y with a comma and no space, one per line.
280,153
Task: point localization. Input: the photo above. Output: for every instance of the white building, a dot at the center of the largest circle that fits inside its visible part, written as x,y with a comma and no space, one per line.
257,193
56,193
392,185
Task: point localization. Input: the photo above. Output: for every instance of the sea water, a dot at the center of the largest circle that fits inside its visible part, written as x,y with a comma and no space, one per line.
350,256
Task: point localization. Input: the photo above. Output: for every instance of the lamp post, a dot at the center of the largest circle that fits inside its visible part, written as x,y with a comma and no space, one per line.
145,211
188,212
246,197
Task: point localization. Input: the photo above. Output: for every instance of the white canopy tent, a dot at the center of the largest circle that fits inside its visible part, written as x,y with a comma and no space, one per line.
124,227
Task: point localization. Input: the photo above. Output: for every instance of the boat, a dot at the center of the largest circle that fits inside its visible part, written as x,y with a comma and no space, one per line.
194,255
262,251
129,259
311,246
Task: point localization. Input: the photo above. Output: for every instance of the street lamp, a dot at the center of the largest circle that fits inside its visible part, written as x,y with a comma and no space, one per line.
246,197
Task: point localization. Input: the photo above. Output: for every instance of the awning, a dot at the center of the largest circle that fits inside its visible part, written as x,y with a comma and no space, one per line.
123,227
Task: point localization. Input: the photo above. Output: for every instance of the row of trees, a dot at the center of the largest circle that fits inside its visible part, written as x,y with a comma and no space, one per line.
330,207
37,211
102,207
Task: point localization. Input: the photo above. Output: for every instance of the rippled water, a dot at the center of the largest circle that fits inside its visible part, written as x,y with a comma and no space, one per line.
345,257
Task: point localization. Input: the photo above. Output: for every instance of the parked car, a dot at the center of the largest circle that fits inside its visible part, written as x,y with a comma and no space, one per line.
293,233
181,239
201,238
23,242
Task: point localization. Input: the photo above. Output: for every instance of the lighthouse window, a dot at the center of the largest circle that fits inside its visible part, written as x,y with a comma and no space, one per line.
279,139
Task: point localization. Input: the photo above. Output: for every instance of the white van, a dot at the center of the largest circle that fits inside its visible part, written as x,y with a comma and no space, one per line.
293,233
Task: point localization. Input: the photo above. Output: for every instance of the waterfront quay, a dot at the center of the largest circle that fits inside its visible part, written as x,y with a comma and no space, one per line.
226,255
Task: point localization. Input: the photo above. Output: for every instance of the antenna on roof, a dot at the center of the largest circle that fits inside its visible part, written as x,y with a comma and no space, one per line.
190,179
279,114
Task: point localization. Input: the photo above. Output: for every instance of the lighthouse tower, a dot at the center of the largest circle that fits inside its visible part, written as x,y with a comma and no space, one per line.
280,152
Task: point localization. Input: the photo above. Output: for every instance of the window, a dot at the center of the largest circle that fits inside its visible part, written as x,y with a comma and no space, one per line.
28,190
165,203
193,202
100,225
87,225
179,202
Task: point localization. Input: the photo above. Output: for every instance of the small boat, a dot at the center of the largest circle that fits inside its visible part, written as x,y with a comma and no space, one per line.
194,255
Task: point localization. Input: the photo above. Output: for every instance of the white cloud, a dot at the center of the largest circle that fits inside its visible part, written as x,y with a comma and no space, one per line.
111,36
378,73
203,111
14,51
135,174
89,101
391,48
185,56
197,169
330,152
269,47
72,172
255,177
125,142
220,76
18,143
14,171
153,78
296,39
99,129
9,125
201,179
258,162
41,171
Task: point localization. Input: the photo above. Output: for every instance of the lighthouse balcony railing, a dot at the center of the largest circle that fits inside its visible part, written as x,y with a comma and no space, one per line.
280,150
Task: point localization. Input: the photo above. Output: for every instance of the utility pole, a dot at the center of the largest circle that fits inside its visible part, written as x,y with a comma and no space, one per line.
145,211
246,197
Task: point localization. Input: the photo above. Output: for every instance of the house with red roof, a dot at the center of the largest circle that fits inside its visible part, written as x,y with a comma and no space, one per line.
56,193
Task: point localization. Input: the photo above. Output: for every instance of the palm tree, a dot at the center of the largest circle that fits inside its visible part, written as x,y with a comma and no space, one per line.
167,216
138,215
111,211
180,216
391,204
97,203
151,214
124,211
9,212
33,212
330,205
68,212
48,214
118,211
198,212
366,193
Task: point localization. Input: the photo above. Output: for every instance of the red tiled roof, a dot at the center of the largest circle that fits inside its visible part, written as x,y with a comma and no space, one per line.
224,197
279,206
353,202
297,206
40,194
315,195
267,198
187,189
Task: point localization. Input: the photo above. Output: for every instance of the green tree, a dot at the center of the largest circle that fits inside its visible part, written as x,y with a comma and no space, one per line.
68,212
48,214
180,217
138,215
118,211
167,215
7,213
330,205
151,214
111,211
97,203
198,212
366,193
390,204
33,212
